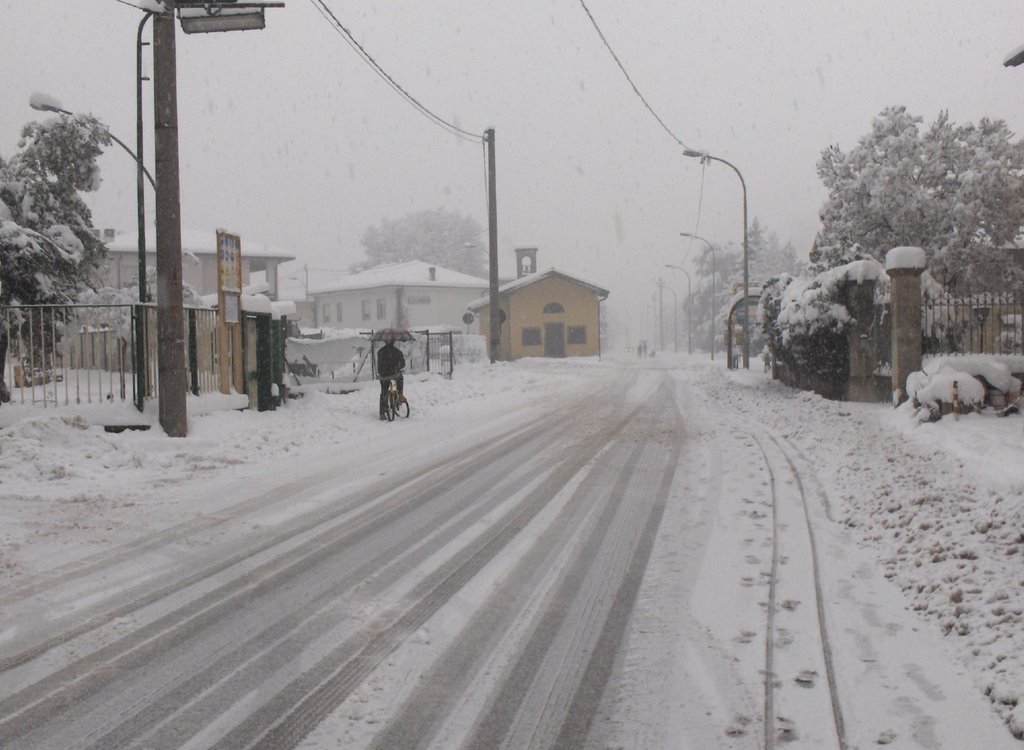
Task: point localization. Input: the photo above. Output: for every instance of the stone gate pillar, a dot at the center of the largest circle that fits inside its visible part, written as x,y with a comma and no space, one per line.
905,266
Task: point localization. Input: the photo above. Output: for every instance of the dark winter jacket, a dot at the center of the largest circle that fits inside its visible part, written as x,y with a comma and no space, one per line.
390,361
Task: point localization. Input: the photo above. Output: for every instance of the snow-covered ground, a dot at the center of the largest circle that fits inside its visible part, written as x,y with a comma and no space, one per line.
922,534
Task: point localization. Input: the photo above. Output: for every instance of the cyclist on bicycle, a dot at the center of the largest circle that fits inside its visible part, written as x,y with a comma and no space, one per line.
390,363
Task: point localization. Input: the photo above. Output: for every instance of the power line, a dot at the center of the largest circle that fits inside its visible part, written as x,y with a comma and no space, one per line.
628,78
340,28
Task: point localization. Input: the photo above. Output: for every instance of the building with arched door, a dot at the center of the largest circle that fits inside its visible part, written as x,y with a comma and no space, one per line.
545,313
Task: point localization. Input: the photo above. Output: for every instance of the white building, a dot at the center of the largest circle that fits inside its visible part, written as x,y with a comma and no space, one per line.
198,260
398,295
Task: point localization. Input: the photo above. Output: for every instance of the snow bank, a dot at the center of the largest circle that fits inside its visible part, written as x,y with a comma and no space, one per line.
933,386
931,390
996,371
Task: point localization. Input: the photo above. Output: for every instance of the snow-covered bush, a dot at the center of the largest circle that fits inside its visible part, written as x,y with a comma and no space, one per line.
805,320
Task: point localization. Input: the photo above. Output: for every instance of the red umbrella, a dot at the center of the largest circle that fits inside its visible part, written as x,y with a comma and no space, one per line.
392,334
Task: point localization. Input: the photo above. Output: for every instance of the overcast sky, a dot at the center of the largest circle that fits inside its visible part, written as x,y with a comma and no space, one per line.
288,138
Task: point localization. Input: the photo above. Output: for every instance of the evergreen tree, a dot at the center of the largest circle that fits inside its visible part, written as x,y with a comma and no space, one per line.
766,255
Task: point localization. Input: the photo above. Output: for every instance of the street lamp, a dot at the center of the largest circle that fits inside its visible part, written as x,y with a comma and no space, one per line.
704,157
1014,58
713,310
675,314
689,308
43,103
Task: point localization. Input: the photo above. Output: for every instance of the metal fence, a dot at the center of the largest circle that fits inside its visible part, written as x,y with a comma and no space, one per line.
57,355
984,323
54,355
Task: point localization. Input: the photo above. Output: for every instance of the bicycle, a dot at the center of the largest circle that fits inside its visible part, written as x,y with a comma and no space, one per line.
396,404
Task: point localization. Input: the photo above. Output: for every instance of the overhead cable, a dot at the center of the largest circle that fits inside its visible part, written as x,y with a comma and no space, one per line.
340,28
628,78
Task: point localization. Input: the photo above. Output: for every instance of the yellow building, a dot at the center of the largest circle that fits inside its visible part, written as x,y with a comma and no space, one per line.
546,313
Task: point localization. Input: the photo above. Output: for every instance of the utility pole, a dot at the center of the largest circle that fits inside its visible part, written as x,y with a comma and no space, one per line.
170,316
661,316
492,223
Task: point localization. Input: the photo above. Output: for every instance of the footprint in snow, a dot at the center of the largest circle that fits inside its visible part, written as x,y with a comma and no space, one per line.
739,726
787,731
807,678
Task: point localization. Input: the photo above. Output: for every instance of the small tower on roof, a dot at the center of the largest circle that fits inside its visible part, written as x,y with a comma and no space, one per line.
526,261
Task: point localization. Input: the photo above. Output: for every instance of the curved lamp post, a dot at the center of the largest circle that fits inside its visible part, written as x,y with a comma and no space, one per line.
41,105
713,312
705,157
689,308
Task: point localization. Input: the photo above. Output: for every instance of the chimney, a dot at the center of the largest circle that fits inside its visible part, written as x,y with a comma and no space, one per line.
108,235
433,273
526,261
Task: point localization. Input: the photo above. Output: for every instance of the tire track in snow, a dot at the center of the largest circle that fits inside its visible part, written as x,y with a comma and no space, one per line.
785,534
98,669
297,710
304,524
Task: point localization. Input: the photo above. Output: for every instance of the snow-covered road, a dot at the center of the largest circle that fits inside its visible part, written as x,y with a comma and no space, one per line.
547,555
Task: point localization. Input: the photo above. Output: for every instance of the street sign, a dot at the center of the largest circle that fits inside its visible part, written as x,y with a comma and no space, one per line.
229,262
229,303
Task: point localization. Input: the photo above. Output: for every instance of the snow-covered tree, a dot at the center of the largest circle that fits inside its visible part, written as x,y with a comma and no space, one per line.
955,190
767,256
48,252
47,248
715,271
441,237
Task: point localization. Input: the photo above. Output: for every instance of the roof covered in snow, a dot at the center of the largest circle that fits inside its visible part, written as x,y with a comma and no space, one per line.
196,242
533,278
410,273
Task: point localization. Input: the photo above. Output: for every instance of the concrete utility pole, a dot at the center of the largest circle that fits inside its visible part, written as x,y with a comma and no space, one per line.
172,380
661,316
492,223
